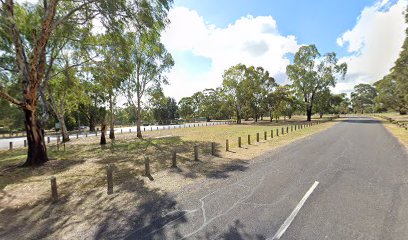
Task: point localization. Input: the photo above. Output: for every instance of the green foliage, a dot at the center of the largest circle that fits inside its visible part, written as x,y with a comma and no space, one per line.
311,73
362,98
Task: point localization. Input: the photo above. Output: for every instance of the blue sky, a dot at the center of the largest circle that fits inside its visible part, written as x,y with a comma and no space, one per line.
317,21
208,36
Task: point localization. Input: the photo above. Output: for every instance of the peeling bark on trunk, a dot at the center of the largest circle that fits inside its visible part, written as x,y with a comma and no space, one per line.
37,150
64,131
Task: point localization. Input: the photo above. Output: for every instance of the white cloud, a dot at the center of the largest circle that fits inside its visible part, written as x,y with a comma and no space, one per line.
374,43
250,40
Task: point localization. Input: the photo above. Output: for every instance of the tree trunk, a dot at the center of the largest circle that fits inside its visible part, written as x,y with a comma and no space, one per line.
309,113
270,116
103,130
92,124
138,119
238,115
37,150
64,132
111,118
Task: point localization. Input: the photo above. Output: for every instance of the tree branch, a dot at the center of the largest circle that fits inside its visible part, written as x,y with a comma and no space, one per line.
14,101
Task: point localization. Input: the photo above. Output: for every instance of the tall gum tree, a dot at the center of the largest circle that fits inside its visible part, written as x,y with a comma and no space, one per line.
31,57
148,62
311,73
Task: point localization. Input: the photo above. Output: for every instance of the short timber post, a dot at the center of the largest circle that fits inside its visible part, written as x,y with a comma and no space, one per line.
195,153
213,148
174,160
239,142
11,145
54,190
257,137
249,139
109,178
147,166
226,145
265,136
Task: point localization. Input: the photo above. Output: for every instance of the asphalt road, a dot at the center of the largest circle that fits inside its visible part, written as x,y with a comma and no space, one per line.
18,142
348,182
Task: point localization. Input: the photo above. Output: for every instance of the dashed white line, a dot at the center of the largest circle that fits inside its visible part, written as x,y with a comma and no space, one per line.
295,211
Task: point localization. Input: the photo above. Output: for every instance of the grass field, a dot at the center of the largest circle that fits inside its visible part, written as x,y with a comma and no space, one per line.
400,133
81,174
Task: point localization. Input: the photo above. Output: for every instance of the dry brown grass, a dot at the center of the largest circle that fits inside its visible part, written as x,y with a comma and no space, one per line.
399,132
81,176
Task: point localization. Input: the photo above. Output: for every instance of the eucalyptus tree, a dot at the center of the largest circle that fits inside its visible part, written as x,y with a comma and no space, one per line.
311,73
112,69
186,108
362,98
148,61
233,79
322,102
391,95
27,42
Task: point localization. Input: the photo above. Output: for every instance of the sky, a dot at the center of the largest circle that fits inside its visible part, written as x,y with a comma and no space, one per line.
207,37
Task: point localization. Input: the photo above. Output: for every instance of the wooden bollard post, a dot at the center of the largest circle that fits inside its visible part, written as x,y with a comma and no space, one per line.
265,136
25,143
64,146
109,178
77,135
277,132
48,139
195,153
11,145
291,128
287,129
239,142
86,134
226,145
283,132
130,130
257,137
96,132
249,139
54,189
295,127
213,148
272,133
147,166
174,160
121,131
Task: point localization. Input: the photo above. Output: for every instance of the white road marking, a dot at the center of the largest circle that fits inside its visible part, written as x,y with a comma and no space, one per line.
295,211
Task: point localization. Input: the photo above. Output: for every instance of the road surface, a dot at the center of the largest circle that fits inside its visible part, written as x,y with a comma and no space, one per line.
348,182
19,141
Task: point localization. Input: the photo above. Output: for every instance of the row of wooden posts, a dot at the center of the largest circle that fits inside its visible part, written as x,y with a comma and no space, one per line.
121,131
393,121
147,173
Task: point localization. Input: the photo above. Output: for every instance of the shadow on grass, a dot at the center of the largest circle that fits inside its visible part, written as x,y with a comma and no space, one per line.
160,154
93,214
